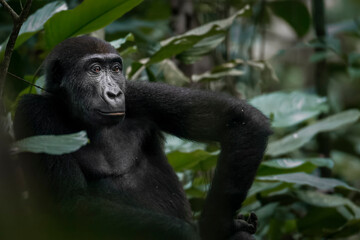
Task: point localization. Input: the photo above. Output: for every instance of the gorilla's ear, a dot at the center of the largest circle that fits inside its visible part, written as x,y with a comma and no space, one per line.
54,74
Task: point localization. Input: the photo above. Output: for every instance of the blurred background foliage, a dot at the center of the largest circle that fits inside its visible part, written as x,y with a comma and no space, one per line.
298,61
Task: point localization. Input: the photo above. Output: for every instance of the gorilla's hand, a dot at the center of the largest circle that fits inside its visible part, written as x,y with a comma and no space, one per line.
245,228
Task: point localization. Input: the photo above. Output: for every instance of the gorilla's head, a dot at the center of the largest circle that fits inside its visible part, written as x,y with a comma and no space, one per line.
87,73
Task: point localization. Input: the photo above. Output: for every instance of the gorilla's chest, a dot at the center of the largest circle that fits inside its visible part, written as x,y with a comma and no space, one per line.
114,151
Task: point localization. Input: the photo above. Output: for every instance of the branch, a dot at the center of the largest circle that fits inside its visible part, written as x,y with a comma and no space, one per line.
4,65
10,10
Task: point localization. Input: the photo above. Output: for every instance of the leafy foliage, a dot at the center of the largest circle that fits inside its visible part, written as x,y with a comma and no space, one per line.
292,195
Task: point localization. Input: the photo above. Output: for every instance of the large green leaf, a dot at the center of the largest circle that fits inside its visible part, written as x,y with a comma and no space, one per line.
289,109
295,13
51,144
325,200
180,43
287,165
201,48
172,74
181,161
36,22
307,179
175,45
304,135
90,15
118,42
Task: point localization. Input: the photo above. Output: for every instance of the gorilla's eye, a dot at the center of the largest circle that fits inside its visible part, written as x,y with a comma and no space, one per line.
96,69
116,68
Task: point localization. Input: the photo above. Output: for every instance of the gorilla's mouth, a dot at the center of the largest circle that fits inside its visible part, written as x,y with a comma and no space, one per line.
115,114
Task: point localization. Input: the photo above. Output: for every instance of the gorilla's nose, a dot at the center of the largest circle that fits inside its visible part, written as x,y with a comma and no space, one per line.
114,96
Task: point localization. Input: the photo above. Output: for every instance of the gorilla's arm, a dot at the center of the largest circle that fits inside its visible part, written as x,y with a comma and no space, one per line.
62,180
204,116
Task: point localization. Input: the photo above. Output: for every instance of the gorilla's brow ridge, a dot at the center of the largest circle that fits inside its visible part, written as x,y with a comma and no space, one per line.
102,57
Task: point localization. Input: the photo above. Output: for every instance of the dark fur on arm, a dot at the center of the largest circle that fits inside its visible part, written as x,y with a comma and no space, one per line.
241,129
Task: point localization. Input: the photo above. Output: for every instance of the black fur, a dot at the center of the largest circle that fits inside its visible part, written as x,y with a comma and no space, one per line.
121,184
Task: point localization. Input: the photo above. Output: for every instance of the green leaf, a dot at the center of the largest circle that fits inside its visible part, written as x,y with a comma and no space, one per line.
172,74
180,43
175,45
289,109
304,135
89,16
295,13
307,179
201,48
117,43
51,144
286,165
181,161
324,200
36,22
319,221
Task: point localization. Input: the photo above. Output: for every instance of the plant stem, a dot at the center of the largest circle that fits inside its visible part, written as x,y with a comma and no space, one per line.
18,21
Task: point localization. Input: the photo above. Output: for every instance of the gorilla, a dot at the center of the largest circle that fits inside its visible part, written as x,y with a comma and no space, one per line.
120,185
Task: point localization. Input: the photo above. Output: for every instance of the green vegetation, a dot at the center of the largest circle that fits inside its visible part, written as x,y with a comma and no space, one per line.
299,66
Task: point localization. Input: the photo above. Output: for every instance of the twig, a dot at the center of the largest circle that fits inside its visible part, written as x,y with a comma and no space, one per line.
31,84
13,14
4,65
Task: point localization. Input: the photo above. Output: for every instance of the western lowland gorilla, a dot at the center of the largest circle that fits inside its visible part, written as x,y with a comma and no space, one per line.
120,185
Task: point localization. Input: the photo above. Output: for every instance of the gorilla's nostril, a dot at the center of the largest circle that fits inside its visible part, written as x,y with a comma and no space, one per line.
113,95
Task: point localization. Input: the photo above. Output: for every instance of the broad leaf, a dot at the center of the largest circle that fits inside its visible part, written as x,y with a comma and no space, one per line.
181,161
51,144
117,43
180,43
201,48
287,165
295,13
175,45
324,200
307,179
36,22
172,74
289,109
304,135
89,16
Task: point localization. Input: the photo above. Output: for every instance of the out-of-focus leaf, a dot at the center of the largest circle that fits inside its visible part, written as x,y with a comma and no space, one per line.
295,13
172,73
320,56
350,228
201,48
320,221
347,166
264,188
126,52
307,179
175,45
230,69
180,43
89,16
51,144
289,109
36,22
181,161
265,213
324,200
354,65
117,43
209,76
173,143
286,165
348,25
304,135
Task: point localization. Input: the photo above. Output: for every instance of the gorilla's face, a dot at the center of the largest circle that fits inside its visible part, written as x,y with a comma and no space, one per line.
95,88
